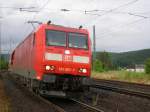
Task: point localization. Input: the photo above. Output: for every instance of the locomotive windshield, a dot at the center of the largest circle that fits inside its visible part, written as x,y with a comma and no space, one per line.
55,38
78,40
59,38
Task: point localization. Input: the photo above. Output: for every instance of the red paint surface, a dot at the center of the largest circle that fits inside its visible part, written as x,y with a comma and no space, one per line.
29,56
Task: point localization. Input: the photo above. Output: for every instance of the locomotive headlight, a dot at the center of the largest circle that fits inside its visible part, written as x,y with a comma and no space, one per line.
47,67
82,70
50,67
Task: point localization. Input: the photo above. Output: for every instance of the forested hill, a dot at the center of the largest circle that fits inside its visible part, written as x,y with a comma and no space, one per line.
130,58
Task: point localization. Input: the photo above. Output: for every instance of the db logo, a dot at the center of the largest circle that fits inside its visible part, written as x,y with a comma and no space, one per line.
67,58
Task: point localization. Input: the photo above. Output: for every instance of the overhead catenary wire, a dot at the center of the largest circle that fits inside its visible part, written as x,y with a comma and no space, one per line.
28,8
89,12
120,27
113,11
116,8
6,7
15,8
44,5
127,24
36,12
31,17
41,8
124,5
138,15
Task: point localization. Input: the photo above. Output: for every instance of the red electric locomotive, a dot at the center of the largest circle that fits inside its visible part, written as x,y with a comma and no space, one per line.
53,59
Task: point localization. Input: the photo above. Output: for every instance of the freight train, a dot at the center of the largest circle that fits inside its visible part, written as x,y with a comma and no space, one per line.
53,59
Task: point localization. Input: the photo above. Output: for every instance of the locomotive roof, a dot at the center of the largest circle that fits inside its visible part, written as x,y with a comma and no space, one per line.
56,27
63,28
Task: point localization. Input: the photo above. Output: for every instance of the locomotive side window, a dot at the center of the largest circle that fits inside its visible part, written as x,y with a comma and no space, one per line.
78,41
55,38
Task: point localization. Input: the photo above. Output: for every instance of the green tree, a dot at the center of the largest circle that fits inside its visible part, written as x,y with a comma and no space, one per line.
3,64
147,66
104,57
97,66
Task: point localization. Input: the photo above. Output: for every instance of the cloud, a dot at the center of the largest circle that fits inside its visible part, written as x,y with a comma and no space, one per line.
114,31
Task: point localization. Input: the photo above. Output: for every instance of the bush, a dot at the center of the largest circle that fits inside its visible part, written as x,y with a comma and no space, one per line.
105,58
3,64
147,66
98,66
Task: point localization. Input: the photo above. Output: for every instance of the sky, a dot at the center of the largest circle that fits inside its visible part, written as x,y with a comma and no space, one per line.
121,25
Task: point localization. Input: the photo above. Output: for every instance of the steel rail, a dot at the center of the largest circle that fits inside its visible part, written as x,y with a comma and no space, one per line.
122,90
57,108
114,82
86,105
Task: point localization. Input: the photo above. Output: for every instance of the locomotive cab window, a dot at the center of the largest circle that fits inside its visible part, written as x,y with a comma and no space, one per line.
78,41
55,38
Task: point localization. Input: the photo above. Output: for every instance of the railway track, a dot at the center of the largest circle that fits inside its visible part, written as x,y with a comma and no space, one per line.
104,104
130,85
24,96
60,108
57,105
119,88
74,105
88,106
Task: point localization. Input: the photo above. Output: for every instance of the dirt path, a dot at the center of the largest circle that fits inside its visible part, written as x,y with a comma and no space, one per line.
21,100
4,100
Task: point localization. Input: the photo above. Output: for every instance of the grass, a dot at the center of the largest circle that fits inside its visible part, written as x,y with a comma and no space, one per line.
123,76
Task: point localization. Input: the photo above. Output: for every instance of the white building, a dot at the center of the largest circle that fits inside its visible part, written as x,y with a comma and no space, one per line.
137,68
